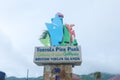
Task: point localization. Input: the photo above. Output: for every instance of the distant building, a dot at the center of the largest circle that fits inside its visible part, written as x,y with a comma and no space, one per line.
115,78
2,75
75,77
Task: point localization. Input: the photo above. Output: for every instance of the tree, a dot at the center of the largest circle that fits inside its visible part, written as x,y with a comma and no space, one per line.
97,75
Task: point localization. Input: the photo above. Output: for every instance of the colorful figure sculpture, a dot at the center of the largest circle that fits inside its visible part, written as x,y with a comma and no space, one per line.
58,34
56,29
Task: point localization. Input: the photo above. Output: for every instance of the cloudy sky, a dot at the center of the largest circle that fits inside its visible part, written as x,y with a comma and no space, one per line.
97,27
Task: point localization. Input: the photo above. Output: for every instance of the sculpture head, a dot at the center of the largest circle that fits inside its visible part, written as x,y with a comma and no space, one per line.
58,19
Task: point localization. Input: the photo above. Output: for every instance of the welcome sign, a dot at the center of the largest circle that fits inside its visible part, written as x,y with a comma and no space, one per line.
58,55
60,44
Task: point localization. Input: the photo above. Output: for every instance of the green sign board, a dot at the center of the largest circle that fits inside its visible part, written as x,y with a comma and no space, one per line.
58,55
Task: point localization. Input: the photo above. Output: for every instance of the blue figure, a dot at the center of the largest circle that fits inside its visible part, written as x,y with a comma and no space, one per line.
57,70
55,29
57,77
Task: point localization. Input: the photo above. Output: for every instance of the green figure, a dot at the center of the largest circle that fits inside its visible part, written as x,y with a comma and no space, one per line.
74,43
45,38
66,37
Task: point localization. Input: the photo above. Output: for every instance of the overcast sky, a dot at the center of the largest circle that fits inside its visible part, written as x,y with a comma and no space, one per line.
97,28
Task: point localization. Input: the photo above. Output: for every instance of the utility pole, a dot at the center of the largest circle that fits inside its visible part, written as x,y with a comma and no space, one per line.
27,73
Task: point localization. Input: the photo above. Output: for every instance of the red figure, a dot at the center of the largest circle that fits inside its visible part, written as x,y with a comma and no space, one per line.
71,31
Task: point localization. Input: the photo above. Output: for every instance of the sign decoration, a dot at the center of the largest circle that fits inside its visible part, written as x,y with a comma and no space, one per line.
58,34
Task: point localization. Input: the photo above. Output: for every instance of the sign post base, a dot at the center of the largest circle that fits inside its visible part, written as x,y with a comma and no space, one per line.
57,72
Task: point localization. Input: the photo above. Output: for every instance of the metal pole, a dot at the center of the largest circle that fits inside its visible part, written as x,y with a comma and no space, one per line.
27,73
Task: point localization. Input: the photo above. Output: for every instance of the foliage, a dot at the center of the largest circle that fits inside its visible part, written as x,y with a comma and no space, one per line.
97,75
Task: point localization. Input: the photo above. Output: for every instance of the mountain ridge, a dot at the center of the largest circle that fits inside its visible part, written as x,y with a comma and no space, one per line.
105,76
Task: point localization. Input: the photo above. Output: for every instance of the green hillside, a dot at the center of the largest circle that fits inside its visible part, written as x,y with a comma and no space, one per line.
105,76
15,78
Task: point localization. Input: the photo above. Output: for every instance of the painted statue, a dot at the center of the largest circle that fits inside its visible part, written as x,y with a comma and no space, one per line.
59,34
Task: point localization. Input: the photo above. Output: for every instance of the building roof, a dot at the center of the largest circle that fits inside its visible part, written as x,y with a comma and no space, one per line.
75,77
115,78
